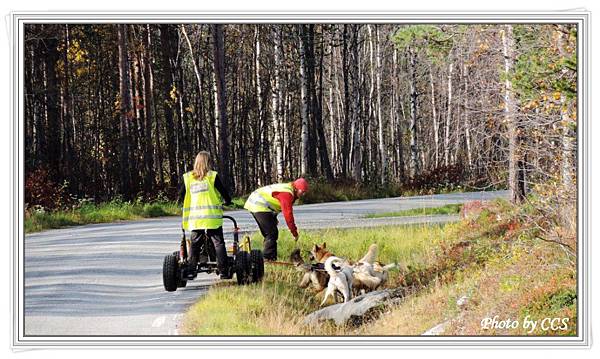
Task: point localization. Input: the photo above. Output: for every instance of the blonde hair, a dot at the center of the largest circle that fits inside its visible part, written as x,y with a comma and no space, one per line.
201,165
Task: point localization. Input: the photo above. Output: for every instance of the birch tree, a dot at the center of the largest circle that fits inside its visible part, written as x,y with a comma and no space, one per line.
515,164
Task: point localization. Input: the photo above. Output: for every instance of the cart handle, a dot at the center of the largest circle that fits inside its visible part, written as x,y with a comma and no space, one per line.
233,220
235,227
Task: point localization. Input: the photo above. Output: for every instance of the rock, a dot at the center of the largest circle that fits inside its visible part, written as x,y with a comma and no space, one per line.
462,301
438,329
357,307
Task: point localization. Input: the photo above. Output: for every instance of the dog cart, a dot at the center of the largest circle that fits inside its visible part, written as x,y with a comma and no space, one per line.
245,263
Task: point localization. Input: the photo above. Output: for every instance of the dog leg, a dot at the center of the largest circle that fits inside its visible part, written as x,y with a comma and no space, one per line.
305,280
328,293
347,295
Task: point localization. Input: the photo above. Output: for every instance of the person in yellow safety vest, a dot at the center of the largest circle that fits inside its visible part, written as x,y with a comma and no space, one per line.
265,204
203,196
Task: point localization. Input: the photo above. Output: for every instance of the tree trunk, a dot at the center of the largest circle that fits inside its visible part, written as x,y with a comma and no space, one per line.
332,126
399,140
304,102
354,126
448,117
168,78
40,150
436,130
67,116
51,57
150,114
219,66
414,153
193,58
346,127
276,101
371,115
382,147
515,164
568,137
197,126
125,112
467,123
317,110
265,149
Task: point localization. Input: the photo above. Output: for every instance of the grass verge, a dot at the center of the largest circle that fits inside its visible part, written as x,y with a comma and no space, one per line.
493,259
99,213
277,305
446,209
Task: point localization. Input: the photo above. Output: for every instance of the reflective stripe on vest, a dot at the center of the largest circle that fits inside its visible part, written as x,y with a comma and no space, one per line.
202,207
262,199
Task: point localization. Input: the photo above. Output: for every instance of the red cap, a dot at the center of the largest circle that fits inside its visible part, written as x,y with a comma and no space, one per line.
301,184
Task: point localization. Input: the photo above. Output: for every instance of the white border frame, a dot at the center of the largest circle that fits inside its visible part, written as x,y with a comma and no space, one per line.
20,341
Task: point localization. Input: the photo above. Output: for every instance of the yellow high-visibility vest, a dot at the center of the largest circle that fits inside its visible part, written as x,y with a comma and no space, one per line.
262,199
202,206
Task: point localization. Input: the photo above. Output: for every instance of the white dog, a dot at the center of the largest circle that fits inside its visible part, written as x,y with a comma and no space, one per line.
369,274
338,281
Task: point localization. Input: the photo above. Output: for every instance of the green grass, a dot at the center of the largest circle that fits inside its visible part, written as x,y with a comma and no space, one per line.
446,209
115,210
491,259
276,306
237,203
99,213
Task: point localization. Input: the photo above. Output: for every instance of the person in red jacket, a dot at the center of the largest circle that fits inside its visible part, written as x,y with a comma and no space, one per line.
265,204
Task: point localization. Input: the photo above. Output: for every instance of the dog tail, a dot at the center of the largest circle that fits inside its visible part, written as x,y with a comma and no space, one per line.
329,265
389,266
371,254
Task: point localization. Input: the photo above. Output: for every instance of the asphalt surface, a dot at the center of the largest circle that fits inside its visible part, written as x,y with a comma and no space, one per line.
106,279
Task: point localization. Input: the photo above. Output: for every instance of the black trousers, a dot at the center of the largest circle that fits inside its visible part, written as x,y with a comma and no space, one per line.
216,246
267,223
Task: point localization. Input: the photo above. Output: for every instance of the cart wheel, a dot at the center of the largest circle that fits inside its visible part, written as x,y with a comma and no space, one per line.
243,268
181,283
258,265
170,272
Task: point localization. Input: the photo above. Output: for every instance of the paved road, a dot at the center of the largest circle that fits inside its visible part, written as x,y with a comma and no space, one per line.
106,279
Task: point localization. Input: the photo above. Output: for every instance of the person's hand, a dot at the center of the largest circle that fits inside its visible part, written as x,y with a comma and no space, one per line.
296,237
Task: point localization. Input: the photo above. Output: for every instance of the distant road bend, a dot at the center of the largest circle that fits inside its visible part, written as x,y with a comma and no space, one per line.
106,279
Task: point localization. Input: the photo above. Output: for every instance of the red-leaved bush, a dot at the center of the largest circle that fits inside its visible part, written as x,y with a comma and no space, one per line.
42,191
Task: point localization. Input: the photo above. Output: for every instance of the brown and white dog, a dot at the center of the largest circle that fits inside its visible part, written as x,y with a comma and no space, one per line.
370,274
316,279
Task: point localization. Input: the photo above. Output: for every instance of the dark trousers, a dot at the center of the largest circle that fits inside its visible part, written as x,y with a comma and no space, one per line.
267,223
216,246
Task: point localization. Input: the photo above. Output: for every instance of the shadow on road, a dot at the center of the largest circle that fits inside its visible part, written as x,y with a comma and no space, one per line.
98,300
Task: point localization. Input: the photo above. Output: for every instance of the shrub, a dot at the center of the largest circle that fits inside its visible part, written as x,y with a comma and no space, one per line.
41,191
153,210
343,189
444,178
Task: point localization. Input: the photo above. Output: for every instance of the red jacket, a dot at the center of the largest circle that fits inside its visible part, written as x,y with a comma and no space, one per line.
286,200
